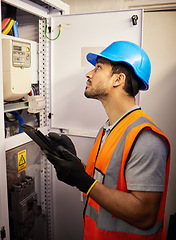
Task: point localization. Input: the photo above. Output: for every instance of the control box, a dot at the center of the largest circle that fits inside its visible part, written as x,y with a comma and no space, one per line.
36,104
16,69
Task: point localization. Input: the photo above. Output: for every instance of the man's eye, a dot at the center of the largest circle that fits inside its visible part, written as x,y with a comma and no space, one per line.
98,66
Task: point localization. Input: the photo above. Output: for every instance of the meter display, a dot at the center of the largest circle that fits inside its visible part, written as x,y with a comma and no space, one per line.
21,54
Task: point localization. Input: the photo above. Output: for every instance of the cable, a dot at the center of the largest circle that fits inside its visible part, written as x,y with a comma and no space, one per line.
4,23
33,89
15,29
9,27
20,120
8,21
46,31
32,92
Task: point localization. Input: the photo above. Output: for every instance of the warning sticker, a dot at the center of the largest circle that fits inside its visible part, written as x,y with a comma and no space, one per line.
21,160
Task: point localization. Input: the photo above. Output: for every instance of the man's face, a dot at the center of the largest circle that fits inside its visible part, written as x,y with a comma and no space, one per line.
99,80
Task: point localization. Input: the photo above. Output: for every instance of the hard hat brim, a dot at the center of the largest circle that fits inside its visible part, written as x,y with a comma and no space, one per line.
92,58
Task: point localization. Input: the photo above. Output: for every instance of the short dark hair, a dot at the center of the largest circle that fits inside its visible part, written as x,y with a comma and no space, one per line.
132,82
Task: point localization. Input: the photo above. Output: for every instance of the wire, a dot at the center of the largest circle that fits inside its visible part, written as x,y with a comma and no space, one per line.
5,22
15,29
20,120
46,31
32,92
33,89
9,27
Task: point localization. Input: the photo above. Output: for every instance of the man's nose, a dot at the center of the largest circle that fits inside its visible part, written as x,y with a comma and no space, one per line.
89,74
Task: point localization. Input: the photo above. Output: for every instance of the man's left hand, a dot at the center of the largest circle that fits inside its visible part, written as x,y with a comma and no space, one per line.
70,170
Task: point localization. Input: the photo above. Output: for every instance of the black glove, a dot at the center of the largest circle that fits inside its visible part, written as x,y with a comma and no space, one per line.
70,170
62,140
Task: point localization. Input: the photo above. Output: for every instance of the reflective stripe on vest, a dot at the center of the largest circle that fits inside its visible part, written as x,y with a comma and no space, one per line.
114,224
118,146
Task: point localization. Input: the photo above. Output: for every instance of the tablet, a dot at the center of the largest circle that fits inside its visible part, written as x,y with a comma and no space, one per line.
38,137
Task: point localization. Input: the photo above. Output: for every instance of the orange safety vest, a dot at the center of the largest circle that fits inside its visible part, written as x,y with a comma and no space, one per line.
99,224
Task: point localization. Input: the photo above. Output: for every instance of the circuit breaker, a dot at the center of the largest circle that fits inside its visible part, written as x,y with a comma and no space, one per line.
16,69
22,208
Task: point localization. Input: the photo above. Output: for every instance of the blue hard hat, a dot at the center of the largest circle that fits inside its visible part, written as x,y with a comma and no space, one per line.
129,53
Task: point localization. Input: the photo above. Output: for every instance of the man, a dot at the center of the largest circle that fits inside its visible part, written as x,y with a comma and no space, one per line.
126,177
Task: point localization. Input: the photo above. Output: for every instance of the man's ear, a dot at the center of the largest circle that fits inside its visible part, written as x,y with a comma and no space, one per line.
119,79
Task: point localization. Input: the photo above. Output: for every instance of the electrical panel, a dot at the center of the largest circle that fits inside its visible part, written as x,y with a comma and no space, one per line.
24,62
26,216
16,69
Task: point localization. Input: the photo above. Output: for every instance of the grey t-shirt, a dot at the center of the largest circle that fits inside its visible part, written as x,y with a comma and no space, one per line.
145,170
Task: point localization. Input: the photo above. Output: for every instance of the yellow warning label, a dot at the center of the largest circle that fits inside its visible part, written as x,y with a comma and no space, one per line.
21,160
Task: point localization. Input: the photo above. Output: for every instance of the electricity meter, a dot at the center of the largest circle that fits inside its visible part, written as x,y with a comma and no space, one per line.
16,69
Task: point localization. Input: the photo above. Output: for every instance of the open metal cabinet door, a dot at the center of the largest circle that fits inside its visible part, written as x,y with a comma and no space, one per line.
79,117
81,34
